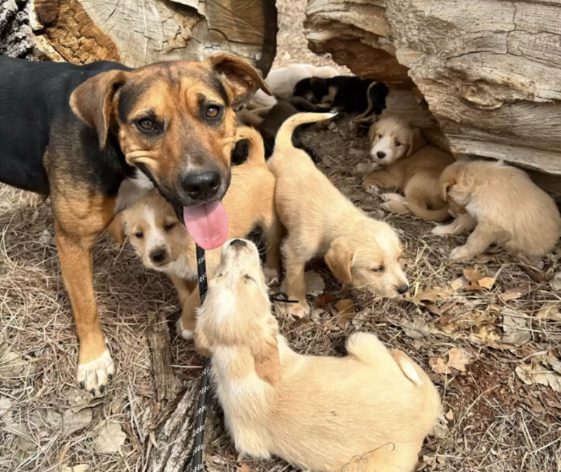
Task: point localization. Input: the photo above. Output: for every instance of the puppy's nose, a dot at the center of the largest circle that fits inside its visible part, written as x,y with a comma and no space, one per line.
158,255
380,154
237,243
201,186
402,289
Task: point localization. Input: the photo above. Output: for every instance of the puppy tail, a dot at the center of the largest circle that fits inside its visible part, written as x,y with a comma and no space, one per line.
283,140
256,153
424,213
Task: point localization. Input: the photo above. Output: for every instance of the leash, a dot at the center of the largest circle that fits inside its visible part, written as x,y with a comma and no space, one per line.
197,464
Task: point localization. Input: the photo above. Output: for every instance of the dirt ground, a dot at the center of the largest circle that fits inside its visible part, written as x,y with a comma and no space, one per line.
488,332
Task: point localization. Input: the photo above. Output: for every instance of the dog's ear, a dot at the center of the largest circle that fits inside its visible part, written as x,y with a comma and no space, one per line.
413,140
445,186
372,132
241,77
267,361
92,101
339,259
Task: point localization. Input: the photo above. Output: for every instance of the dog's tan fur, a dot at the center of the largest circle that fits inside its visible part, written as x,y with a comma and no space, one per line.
248,203
315,412
503,205
321,221
409,165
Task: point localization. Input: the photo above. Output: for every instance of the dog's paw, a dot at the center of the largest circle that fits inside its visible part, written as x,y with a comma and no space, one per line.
272,276
392,197
298,310
396,206
94,376
366,167
183,332
459,253
371,188
442,230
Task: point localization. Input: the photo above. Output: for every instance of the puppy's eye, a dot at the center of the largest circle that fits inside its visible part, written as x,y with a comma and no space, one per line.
378,135
139,235
213,111
377,269
248,278
169,226
397,143
148,126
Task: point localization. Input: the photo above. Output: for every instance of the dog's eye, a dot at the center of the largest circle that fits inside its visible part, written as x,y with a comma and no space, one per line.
397,143
148,125
377,269
213,111
169,226
378,135
139,234
248,278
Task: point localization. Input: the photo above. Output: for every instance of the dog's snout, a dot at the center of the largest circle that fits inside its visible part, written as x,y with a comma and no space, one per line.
402,289
380,154
158,255
201,186
238,243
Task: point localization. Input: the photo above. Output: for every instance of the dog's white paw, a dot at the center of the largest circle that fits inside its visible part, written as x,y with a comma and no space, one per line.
272,276
298,310
94,376
396,206
459,253
392,197
371,189
442,230
183,332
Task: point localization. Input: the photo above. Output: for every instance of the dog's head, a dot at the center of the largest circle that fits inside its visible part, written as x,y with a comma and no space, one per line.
369,259
175,121
154,231
391,139
456,184
237,313
313,89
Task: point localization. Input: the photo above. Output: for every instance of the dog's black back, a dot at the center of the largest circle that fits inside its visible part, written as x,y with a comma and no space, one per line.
34,104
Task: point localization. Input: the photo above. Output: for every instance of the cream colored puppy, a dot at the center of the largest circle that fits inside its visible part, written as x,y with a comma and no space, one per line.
318,413
321,221
503,205
403,160
163,244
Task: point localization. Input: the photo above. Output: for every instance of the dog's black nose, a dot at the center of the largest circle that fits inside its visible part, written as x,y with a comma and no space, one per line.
201,186
238,243
380,154
158,255
402,289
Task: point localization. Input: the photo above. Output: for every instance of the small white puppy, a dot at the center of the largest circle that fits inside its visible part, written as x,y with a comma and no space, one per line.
370,409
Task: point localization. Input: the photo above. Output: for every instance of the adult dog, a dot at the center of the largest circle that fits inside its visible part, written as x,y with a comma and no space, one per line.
77,132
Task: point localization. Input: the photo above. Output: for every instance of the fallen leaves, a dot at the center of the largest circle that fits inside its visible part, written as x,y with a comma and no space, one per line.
458,359
546,371
110,438
345,312
515,327
476,281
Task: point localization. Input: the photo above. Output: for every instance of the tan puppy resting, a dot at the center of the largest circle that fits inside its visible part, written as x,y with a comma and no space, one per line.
372,406
162,243
404,161
321,221
503,205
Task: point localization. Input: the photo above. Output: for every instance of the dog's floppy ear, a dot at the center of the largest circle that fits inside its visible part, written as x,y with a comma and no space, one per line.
445,185
92,100
339,259
372,132
241,77
266,358
413,140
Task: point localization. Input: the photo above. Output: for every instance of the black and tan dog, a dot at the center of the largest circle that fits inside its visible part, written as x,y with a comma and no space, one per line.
77,132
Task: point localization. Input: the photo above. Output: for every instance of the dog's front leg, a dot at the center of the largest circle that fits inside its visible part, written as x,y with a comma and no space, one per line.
295,282
478,241
79,219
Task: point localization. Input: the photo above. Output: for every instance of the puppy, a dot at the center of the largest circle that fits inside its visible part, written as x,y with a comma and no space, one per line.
403,160
503,205
164,245
321,221
317,413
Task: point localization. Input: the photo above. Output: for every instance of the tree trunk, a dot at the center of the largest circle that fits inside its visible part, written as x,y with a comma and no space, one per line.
137,33
488,69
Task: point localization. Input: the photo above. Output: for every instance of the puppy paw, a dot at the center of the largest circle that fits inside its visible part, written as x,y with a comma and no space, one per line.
459,253
94,376
392,197
442,230
366,167
183,332
397,207
371,189
272,276
298,310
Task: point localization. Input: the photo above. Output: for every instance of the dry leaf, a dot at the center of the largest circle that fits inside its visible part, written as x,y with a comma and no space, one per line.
515,327
438,365
415,329
12,363
549,312
76,468
323,300
72,422
513,294
244,467
345,312
556,282
477,281
459,358
110,438
487,282
538,374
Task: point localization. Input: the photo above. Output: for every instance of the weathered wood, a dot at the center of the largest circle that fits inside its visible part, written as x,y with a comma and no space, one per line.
488,69
138,33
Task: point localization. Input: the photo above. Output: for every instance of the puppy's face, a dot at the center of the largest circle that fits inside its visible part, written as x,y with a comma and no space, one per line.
370,260
154,231
173,120
391,139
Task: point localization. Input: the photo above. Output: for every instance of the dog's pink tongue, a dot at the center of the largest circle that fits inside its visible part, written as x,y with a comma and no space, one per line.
207,224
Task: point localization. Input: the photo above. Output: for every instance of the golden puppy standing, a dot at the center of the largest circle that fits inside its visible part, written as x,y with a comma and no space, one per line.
318,413
162,243
503,205
404,161
321,221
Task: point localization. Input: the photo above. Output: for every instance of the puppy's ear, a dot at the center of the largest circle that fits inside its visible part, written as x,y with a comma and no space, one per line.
339,259
241,77
202,343
413,140
92,101
445,186
372,132
267,361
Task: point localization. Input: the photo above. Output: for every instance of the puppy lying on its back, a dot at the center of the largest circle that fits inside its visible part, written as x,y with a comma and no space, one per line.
403,160
321,221
503,205
162,243
315,412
